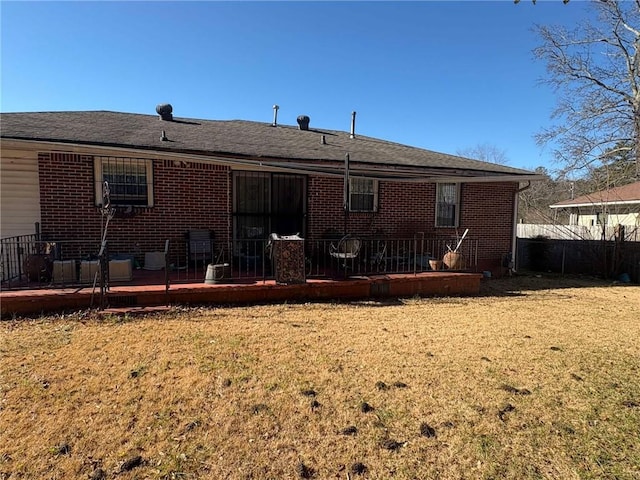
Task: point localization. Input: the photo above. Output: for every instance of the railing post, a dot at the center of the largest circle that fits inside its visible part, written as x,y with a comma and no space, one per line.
19,252
415,255
475,256
101,275
166,269
264,259
103,261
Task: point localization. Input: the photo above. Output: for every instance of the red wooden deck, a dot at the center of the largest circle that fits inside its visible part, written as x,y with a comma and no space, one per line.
151,292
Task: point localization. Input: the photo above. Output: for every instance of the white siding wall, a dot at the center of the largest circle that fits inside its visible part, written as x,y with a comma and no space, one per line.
628,215
575,232
587,220
630,219
19,192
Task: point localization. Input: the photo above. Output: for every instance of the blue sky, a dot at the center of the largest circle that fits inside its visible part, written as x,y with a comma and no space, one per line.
445,76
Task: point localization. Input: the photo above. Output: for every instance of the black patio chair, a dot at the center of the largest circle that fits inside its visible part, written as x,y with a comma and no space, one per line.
199,246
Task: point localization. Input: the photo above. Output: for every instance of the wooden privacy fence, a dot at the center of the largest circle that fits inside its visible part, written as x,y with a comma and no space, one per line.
609,259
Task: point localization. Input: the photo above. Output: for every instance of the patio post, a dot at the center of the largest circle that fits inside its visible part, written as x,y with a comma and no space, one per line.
345,203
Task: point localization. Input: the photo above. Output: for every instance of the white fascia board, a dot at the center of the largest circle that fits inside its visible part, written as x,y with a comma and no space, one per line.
597,204
299,167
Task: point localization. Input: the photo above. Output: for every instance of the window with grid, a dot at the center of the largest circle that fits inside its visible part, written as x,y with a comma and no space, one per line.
447,204
130,180
363,195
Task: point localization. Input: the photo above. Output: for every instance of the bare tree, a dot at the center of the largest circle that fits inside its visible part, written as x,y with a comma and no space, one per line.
486,153
595,68
533,206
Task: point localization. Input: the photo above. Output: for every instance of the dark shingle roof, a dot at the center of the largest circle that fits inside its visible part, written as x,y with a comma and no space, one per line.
237,138
625,194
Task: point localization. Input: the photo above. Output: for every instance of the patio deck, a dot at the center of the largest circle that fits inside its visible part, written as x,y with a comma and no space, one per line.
150,291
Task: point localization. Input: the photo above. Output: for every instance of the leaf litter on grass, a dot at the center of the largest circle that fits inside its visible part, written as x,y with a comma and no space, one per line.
180,410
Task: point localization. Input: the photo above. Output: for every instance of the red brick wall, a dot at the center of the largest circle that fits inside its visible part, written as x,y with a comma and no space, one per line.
405,209
67,197
187,195
190,195
487,211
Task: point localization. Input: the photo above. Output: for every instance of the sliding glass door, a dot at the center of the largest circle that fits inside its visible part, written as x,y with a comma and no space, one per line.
267,203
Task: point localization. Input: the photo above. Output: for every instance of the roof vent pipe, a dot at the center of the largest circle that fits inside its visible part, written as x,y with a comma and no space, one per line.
303,122
323,140
163,137
275,116
353,125
165,111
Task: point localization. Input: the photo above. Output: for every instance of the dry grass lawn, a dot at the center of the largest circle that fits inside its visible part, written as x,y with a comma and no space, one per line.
534,379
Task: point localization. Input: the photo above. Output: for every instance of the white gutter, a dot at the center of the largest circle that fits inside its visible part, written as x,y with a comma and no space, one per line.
290,167
597,204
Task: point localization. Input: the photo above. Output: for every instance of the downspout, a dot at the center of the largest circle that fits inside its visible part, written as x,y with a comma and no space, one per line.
514,239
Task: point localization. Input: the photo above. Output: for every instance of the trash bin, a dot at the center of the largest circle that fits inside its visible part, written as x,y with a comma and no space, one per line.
287,256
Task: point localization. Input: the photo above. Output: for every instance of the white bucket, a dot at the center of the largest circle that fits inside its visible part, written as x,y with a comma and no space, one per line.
217,273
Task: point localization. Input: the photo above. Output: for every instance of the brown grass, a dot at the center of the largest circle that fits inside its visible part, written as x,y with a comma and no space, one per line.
536,378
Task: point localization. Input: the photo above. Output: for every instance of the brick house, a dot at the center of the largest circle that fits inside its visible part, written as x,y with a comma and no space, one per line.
242,180
605,208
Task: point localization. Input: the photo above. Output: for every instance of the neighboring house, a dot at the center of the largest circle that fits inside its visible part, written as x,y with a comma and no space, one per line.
606,209
242,180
